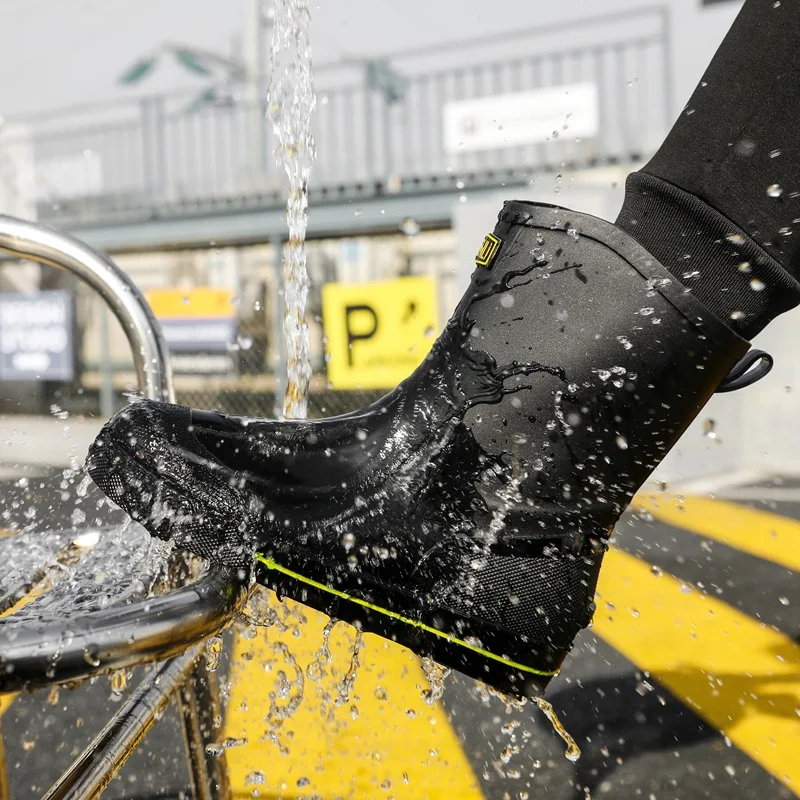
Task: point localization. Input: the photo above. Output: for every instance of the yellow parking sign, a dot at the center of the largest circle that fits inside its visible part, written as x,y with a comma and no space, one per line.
377,332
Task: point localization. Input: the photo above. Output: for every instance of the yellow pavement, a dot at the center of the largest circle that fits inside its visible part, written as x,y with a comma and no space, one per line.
759,533
383,740
740,675
6,700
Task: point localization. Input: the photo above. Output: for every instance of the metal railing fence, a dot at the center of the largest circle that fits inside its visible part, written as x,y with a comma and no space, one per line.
162,151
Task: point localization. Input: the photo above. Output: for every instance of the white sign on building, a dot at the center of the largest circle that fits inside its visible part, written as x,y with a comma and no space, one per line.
521,118
36,340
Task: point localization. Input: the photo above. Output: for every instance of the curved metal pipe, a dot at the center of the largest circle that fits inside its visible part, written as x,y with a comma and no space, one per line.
35,654
27,240
96,766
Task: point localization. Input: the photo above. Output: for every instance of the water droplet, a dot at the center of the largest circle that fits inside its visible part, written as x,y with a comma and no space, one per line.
622,442
213,653
737,315
88,539
506,300
784,601
52,696
436,675
256,778
775,190
774,153
119,683
735,238
745,266
757,286
231,742
245,341
646,312
708,429
573,752
410,227
214,750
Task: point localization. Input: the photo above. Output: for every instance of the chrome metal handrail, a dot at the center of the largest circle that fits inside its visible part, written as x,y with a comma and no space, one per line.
28,240
93,769
36,653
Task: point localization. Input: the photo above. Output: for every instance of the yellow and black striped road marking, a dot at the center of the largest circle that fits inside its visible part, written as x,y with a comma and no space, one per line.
380,737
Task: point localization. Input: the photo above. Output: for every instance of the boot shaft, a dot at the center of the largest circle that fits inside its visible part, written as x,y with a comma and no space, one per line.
582,360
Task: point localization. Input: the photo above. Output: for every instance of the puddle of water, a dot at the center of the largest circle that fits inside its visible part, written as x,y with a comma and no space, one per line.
291,104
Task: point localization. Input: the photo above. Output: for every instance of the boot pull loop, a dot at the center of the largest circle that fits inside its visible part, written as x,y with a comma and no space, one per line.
741,375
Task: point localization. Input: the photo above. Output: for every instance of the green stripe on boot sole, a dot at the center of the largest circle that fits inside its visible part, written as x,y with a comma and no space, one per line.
270,563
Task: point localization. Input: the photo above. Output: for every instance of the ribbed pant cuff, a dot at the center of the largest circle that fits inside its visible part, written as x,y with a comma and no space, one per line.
716,260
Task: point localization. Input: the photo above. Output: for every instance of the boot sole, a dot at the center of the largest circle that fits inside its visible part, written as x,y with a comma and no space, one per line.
424,636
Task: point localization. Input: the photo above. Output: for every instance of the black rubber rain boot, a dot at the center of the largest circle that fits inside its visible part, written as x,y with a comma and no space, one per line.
466,513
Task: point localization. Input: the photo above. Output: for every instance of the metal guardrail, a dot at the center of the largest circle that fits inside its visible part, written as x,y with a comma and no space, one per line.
159,154
38,653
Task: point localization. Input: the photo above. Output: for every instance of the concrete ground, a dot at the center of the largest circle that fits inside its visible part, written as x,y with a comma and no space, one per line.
687,685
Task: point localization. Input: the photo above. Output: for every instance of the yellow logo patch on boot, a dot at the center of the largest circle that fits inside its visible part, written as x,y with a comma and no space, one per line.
489,249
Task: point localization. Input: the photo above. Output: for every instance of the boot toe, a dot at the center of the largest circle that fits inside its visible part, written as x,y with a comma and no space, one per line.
147,461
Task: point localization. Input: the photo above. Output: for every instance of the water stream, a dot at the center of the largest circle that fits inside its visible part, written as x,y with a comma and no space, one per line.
291,104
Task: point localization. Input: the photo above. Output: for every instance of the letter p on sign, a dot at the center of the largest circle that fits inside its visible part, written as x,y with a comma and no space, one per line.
377,333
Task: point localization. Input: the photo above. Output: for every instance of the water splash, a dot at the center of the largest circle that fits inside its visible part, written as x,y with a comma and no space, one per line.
436,675
291,104
286,696
119,684
573,752
84,569
213,653
348,682
316,670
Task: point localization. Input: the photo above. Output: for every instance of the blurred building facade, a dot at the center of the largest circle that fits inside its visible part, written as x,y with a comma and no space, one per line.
416,151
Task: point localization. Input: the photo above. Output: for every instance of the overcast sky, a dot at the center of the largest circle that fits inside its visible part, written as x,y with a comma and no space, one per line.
58,53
